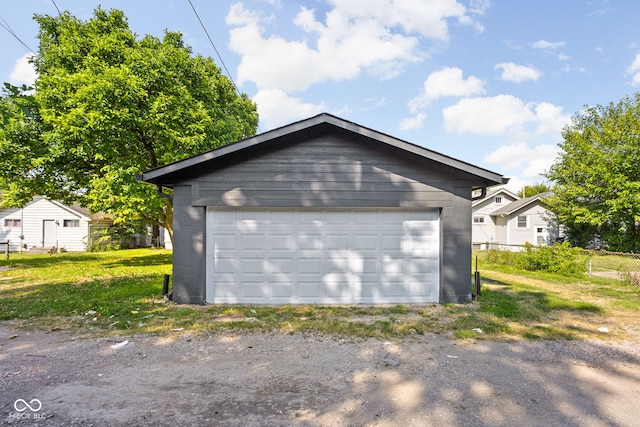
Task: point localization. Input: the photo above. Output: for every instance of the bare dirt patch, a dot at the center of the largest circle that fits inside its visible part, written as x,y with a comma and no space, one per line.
255,379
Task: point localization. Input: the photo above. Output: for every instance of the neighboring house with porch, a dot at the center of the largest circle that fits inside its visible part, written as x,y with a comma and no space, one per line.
502,218
44,223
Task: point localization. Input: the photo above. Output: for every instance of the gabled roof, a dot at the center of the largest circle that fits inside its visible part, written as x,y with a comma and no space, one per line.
494,192
74,209
519,204
172,173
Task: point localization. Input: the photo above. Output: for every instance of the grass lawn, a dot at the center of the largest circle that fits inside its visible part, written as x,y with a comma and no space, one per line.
120,292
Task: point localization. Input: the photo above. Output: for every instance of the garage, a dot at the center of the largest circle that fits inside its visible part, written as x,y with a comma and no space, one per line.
321,211
322,256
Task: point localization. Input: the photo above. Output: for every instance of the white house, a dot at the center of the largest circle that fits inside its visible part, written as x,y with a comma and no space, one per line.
484,225
45,223
501,218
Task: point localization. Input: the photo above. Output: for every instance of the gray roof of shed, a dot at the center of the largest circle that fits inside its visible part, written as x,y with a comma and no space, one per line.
172,173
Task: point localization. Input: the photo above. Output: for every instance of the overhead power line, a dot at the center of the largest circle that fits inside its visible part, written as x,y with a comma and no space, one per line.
57,8
214,46
216,50
4,24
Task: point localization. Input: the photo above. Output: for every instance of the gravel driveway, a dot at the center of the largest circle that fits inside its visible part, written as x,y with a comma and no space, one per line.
256,379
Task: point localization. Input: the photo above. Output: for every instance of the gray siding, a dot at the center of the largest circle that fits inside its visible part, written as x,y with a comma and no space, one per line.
188,248
327,171
455,276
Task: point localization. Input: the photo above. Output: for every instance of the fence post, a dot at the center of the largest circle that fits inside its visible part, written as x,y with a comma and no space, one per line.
6,251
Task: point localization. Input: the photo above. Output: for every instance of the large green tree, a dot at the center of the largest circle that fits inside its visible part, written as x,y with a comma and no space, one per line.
533,189
597,176
108,105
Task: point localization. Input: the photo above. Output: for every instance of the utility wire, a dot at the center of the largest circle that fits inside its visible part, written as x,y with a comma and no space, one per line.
57,8
7,27
214,46
216,50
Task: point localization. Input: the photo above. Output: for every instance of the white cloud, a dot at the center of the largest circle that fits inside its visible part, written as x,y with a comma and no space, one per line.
378,37
634,70
529,162
550,118
446,82
23,72
415,122
546,45
487,115
276,108
517,73
502,114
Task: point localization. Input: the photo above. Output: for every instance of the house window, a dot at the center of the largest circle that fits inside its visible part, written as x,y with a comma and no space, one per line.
498,200
478,220
71,223
522,221
12,223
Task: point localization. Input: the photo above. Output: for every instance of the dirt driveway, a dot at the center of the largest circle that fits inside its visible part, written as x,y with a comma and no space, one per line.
256,379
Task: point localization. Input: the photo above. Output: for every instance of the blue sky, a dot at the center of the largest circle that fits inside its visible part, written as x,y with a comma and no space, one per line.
490,82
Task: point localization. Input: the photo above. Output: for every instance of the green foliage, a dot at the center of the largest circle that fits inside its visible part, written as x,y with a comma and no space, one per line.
532,190
597,178
115,237
560,259
108,106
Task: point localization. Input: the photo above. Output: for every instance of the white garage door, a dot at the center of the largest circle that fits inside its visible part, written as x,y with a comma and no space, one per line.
346,256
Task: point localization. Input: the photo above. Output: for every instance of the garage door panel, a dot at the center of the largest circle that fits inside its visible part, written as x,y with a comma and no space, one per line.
322,256
226,242
281,242
311,290
365,242
309,266
418,289
393,289
282,290
227,265
337,284
253,242
254,290
391,242
281,218
337,242
309,241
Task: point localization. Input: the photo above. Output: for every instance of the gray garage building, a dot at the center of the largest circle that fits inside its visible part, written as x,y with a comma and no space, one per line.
322,211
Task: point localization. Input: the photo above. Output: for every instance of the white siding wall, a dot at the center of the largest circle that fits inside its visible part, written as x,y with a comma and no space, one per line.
482,233
535,218
32,218
10,233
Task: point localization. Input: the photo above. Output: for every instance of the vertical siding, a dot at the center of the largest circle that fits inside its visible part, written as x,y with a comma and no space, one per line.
32,217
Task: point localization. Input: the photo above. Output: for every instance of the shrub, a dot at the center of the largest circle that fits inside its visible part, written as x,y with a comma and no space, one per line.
559,259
